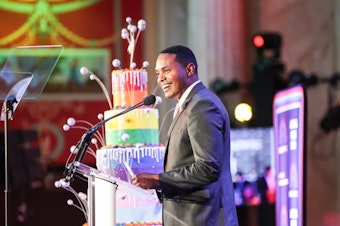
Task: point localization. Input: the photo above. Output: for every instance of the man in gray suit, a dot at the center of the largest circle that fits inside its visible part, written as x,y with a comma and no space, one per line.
196,186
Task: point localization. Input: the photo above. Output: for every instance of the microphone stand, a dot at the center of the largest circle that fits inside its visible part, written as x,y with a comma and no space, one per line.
84,142
10,101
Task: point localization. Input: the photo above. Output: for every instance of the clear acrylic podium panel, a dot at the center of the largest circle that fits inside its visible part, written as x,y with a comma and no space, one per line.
38,61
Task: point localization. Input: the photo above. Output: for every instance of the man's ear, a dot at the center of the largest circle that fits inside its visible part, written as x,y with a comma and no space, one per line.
190,68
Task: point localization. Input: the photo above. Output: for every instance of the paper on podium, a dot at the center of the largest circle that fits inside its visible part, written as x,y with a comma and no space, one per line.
134,190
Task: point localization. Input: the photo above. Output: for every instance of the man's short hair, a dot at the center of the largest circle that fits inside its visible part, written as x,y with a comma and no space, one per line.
184,55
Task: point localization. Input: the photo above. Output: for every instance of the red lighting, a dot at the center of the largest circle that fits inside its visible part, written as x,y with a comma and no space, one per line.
267,45
258,41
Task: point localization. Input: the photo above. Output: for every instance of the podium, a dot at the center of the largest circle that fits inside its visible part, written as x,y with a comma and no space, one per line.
101,195
23,76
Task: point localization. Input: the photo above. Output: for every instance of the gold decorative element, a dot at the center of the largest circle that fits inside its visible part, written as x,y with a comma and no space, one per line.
43,21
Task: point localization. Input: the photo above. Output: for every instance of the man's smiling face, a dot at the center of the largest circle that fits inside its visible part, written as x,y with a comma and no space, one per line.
171,75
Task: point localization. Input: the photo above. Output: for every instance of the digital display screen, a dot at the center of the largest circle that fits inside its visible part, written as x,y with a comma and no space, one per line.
289,145
252,153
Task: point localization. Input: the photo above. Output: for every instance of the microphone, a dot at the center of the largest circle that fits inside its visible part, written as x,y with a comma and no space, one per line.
86,138
149,100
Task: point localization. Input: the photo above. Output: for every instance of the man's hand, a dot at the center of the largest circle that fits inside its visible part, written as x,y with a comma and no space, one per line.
146,181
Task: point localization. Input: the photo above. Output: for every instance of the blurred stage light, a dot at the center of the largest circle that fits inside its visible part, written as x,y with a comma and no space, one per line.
220,86
298,77
268,45
267,40
243,112
258,41
309,79
331,120
334,79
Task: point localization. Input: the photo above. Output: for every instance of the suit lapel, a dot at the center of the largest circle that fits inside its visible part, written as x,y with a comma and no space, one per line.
196,88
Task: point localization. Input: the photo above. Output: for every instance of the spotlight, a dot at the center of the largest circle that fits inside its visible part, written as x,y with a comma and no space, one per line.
331,120
298,77
219,86
334,79
267,76
243,112
268,45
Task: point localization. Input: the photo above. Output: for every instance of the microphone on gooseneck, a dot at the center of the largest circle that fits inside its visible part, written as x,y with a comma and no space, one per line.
149,100
86,138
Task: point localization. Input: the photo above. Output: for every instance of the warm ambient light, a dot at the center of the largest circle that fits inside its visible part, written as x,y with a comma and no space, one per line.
258,41
243,112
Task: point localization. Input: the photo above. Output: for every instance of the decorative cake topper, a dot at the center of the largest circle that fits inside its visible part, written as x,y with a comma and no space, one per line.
99,136
85,71
82,202
129,33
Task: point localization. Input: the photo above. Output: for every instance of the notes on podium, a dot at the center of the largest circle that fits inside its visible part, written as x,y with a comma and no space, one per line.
90,171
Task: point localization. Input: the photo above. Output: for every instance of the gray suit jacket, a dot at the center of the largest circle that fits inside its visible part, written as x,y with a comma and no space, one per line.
196,185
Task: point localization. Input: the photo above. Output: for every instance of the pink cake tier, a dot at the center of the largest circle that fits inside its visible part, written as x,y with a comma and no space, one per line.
129,87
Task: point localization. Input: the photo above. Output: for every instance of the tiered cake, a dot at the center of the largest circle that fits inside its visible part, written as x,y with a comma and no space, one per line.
132,143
